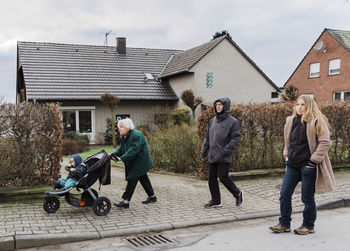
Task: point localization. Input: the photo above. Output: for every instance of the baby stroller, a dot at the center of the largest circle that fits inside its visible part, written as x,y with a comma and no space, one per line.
98,167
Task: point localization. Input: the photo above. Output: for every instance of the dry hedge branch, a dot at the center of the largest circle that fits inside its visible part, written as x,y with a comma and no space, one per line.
30,144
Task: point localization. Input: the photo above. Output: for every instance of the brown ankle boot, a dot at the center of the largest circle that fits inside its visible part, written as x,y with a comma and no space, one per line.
279,229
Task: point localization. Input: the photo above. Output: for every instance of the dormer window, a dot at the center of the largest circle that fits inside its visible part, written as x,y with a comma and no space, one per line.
148,77
334,67
314,70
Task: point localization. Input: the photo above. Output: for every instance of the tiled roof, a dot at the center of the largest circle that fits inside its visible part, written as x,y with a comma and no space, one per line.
342,36
183,61
55,71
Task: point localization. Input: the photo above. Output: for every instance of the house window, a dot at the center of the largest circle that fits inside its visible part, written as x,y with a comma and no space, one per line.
309,94
77,121
121,116
334,67
85,121
274,94
69,121
342,95
210,79
314,70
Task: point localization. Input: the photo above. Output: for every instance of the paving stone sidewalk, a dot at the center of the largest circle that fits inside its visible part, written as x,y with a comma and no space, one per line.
180,204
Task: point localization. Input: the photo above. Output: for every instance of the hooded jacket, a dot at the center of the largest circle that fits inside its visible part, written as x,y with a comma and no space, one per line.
80,168
223,135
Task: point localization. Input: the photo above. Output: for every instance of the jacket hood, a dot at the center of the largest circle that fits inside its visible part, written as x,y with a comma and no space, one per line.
77,159
227,105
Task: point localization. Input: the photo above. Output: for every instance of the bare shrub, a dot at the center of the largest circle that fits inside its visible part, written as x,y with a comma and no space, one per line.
174,149
31,144
71,146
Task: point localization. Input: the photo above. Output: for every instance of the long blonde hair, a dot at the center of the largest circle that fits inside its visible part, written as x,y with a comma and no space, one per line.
312,113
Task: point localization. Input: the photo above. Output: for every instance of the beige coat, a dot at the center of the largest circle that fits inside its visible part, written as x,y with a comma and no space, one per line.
319,147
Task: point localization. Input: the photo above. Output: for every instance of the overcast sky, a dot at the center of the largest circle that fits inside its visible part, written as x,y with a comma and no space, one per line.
275,34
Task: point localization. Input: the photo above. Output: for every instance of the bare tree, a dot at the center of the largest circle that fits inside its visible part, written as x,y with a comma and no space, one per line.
219,34
290,93
111,101
191,101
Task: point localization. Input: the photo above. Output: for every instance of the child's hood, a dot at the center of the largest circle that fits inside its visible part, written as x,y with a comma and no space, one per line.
77,159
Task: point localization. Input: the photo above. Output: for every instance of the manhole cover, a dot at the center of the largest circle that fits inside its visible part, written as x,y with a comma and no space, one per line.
147,240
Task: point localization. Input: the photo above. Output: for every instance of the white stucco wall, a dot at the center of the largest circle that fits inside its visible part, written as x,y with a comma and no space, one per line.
234,77
141,112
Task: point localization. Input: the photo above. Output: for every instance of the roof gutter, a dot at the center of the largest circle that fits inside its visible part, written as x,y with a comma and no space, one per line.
171,57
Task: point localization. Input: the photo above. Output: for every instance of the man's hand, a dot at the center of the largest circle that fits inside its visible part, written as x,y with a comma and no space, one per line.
72,169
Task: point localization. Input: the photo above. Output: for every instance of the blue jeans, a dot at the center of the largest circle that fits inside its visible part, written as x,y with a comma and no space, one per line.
291,178
67,183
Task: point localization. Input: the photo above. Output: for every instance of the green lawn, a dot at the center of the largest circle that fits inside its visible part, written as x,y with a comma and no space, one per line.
96,149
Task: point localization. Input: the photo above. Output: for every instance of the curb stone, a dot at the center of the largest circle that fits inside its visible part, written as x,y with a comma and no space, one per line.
27,241
7,243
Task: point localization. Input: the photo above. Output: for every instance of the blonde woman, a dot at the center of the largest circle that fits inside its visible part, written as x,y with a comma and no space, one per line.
306,145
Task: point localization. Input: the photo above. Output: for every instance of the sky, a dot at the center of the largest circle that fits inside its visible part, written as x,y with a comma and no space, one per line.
275,34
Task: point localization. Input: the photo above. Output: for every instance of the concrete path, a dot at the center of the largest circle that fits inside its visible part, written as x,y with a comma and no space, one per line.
180,204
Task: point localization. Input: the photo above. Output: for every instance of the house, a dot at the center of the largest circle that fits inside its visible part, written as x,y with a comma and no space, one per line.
324,72
147,81
219,68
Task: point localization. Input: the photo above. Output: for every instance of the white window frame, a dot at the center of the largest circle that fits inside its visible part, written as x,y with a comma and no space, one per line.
209,80
341,95
76,109
314,71
334,66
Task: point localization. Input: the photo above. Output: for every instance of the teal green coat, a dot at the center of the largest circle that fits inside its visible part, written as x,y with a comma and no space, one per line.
133,151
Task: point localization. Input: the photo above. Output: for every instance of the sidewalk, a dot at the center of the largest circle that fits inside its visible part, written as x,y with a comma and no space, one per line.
180,204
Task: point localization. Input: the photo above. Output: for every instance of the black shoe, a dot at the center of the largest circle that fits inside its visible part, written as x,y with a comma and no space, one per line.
150,200
211,204
239,199
121,204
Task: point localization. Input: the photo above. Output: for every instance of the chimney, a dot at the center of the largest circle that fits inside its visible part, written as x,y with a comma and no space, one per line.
121,45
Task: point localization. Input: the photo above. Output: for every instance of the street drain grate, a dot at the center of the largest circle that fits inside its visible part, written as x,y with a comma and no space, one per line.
148,240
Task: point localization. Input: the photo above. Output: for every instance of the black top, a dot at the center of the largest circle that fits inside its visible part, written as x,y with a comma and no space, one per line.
299,152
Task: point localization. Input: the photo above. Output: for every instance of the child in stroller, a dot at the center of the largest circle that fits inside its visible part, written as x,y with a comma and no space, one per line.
76,170
98,167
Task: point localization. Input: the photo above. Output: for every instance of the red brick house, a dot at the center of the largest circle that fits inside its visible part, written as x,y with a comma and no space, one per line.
324,72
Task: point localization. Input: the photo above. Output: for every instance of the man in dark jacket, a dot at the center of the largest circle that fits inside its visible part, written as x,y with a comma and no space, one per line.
223,136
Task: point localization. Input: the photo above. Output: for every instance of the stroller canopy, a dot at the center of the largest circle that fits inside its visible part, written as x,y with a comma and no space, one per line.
99,167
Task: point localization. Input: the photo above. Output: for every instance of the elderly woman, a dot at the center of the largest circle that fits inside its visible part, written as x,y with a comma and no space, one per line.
133,151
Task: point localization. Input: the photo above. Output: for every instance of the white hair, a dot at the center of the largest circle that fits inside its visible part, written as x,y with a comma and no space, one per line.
127,123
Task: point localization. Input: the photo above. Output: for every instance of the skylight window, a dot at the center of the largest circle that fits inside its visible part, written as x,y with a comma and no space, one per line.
148,76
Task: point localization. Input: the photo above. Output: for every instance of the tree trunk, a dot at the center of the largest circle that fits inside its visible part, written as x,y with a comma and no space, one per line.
113,130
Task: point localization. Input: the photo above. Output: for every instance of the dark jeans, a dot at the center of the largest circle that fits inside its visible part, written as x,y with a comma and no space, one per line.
131,185
220,170
291,178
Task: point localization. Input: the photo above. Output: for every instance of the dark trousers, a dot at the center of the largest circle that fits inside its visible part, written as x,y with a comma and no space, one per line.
131,185
291,178
220,170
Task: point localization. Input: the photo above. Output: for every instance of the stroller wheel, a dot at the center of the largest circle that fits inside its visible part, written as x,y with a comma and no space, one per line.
51,204
101,206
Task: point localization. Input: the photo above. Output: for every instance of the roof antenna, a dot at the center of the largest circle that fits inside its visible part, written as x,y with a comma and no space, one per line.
105,34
